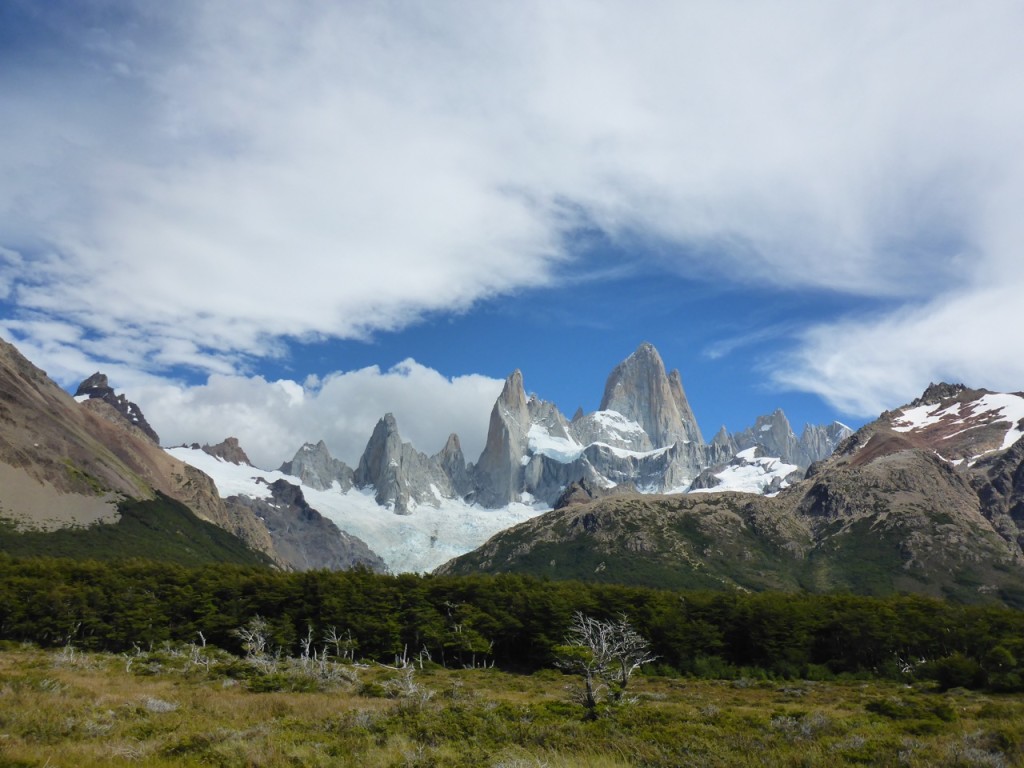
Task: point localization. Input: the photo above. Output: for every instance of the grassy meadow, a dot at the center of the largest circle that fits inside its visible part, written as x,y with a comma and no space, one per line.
187,705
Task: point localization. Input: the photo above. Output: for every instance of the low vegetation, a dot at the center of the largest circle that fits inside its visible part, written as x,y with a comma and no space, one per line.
157,664
193,705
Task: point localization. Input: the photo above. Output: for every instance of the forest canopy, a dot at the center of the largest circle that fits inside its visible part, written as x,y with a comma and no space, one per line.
515,622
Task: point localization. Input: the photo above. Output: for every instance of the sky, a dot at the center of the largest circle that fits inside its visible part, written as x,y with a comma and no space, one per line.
281,222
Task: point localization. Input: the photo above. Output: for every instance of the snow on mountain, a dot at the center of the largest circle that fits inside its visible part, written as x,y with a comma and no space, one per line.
990,408
750,473
561,449
419,541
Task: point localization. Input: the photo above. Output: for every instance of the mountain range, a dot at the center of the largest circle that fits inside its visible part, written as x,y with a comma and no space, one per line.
643,435
928,498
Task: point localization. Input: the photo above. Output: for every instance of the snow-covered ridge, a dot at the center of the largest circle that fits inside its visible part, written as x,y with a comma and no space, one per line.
416,542
991,408
750,473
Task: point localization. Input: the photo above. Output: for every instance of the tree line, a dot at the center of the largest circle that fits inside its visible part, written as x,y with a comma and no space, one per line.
515,622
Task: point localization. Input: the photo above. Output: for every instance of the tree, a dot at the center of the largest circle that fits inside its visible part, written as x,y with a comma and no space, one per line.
606,654
255,638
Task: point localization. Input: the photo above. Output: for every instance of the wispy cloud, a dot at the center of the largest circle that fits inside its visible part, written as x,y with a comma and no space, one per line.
191,186
726,346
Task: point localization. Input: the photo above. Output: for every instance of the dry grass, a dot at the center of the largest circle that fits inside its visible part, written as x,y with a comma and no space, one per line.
95,710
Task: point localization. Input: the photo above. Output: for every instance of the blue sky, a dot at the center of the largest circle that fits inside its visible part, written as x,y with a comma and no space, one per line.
281,225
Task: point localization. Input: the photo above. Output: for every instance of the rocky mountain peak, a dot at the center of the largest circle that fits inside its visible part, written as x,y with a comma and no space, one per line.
641,390
724,439
229,450
97,383
383,449
513,394
402,476
453,463
315,467
774,436
97,387
499,470
675,384
936,393
452,446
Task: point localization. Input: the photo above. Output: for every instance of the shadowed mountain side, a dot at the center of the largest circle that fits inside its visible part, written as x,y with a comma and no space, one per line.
154,529
303,537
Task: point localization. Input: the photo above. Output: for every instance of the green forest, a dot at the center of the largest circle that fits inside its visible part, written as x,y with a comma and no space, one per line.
512,622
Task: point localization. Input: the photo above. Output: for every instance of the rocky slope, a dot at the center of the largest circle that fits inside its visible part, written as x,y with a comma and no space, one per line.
69,464
928,498
302,537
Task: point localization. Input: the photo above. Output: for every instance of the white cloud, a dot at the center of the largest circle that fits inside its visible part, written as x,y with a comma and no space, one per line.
866,366
196,186
272,419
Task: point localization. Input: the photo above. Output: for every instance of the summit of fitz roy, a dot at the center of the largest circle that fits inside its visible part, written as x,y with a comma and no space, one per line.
928,498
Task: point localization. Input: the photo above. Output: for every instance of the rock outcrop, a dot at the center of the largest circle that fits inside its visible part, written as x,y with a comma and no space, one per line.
96,387
228,450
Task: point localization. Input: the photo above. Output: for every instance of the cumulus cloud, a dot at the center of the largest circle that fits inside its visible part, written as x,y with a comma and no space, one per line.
272,419
192,187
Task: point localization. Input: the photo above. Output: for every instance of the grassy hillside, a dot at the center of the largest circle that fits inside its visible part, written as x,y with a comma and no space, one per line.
159,529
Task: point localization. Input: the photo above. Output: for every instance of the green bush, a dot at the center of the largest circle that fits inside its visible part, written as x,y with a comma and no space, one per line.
955,671
915,708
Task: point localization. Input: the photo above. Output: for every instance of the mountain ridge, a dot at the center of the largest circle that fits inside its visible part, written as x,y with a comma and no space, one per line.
887,511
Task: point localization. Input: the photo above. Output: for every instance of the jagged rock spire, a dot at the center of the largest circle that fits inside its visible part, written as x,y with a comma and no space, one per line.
96,387
453,463
315,467
381,462
499,470
402,475
640,390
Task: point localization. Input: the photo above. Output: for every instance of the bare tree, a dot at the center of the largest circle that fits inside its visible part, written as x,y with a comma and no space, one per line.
605,654
255,638
344,646
629,651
